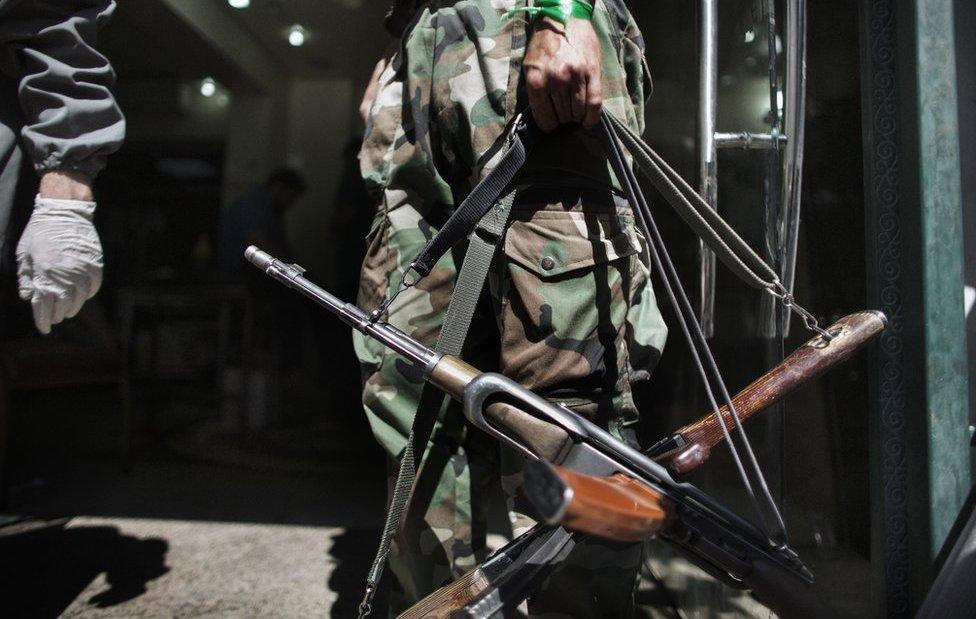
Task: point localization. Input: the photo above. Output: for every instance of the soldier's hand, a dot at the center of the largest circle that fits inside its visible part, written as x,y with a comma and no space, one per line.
563,73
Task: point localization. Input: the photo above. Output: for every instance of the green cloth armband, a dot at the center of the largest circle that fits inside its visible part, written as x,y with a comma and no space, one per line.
559,10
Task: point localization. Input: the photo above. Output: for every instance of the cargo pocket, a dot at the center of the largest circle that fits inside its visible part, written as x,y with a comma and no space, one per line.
552,244
565,292
646,330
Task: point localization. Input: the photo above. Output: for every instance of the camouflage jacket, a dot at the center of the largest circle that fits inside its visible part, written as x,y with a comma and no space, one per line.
402,11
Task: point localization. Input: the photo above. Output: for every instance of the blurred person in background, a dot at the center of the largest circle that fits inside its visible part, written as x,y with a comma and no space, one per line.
57,109
258,218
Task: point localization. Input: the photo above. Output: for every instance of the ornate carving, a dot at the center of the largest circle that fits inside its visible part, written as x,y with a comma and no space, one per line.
883,193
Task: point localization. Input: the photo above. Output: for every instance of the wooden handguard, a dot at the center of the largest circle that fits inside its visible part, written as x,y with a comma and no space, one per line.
617,508
805,363
544,439
442,603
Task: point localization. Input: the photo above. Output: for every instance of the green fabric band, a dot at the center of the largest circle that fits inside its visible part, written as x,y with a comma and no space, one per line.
559,10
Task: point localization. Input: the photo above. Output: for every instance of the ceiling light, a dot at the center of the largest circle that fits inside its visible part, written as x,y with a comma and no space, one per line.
239,4
208,87
750,36
296,35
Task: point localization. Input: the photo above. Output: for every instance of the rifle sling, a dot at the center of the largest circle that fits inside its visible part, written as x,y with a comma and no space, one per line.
521,136
467,290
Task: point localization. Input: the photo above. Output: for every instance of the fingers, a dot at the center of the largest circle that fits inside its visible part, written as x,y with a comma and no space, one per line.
60,309
556,100
594,99
540,101
76,301
562,102
83,291
94,283
578,100
43,306
25,286
50,307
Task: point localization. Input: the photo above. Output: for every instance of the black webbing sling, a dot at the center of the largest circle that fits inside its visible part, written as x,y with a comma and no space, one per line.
482,215
475,214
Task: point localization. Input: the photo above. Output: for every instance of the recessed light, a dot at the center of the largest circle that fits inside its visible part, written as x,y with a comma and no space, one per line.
208,87
239,4
296,35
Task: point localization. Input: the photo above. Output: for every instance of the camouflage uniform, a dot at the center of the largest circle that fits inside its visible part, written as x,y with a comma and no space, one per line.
570,311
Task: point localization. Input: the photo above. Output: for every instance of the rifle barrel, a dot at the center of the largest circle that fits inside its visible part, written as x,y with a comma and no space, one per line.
291,275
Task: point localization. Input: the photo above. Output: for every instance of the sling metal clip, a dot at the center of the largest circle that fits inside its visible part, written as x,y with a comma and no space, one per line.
384,305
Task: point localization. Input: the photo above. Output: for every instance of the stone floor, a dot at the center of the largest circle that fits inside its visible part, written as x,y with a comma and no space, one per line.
190,540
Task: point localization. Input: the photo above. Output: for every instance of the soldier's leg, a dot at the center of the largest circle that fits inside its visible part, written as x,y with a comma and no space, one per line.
570,283
434,544
435,541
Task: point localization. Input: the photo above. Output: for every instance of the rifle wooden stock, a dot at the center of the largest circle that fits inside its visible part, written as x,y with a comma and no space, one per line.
544,439
617,508
442,603
805,363
509,571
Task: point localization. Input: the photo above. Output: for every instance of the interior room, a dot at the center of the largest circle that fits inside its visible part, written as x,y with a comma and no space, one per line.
193,442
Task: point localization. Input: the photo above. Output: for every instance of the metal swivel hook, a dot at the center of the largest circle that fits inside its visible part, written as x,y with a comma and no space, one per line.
366,606
384,305
809,320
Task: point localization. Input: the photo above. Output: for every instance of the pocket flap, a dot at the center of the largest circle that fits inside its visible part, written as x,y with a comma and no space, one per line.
553,243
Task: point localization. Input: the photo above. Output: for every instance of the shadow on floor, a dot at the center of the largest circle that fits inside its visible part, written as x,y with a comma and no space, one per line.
43,568
353,552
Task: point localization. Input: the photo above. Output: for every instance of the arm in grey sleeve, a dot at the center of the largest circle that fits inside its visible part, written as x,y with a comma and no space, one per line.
72,121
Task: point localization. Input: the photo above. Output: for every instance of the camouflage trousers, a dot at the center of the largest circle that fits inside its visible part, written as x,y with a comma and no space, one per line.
568,311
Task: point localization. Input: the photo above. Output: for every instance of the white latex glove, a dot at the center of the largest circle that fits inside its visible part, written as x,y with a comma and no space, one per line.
59,260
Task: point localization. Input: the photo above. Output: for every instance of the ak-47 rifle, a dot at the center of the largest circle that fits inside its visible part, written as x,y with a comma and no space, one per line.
723,544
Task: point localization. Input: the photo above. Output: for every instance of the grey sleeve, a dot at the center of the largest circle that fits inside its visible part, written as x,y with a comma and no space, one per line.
72,120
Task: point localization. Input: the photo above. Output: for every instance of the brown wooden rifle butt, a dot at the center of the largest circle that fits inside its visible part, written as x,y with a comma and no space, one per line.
807,362
442,603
